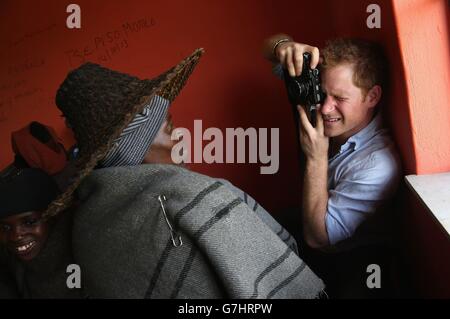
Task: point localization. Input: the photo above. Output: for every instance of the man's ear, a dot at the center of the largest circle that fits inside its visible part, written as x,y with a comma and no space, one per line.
373,96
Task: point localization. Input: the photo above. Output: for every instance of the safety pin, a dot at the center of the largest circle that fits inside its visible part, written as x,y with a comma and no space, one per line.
173,233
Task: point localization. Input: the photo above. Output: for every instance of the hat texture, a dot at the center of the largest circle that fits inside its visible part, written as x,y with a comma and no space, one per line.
99,103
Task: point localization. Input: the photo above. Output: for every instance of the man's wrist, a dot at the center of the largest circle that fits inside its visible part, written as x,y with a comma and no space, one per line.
277,44
316,162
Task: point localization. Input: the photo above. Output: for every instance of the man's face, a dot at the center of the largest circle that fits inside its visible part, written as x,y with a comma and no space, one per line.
345,111
160,150
24,234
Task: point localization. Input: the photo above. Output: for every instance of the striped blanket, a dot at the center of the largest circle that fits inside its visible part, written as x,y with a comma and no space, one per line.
161,231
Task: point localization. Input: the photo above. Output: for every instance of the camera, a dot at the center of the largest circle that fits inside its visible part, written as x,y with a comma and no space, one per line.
305,89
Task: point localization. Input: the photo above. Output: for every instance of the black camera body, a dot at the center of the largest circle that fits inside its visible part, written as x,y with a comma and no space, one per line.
305,89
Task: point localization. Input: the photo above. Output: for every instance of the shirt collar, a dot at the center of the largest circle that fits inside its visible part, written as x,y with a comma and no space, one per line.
365,134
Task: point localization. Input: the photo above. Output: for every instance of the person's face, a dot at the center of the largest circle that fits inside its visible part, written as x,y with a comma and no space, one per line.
24,234
160,150
345,110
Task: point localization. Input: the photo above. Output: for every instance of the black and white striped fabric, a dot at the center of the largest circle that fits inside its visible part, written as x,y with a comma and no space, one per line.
132,145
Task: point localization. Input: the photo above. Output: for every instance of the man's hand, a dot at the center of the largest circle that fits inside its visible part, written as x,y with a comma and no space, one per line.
281,49
315,193
313,141
290,55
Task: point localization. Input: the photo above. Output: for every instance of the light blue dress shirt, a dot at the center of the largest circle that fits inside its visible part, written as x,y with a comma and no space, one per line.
362,177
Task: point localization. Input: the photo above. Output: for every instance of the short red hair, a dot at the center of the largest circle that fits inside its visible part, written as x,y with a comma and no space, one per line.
367,59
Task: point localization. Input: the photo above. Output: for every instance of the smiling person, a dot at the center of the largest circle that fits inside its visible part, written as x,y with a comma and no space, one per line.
34,251
352,168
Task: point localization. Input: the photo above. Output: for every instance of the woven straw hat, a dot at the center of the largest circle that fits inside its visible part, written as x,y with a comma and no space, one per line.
99,103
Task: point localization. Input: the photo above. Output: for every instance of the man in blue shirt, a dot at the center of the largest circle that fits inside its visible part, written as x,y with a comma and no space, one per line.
352,168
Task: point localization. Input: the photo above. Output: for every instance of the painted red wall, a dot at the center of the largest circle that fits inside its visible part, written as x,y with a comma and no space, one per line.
233,85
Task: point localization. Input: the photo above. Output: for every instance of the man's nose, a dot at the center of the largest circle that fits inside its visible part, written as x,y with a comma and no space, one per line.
328,106
17,233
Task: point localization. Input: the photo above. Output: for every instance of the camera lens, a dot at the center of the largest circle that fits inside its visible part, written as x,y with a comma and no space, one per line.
294,88
297,90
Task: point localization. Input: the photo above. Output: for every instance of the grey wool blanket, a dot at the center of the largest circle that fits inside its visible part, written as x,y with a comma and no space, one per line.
202,241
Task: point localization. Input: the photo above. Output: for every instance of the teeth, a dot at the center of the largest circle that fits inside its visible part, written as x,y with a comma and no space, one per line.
332,120
25,247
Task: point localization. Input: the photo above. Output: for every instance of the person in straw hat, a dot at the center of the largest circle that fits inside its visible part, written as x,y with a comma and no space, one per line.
160,230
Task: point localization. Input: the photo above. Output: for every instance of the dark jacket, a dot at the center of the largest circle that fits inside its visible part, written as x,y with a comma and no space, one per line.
44,276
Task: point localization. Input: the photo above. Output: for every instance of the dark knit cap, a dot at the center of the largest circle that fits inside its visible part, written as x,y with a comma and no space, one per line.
31,189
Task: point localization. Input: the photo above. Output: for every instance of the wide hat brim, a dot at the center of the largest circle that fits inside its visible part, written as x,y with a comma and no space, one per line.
167,85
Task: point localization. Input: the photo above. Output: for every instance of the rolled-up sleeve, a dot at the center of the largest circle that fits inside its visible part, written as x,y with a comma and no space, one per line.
277,70
358,193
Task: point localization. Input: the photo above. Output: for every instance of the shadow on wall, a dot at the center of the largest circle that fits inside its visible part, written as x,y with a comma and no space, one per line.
347,21
423,250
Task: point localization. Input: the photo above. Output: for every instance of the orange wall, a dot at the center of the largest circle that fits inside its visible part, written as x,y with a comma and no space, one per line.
422,27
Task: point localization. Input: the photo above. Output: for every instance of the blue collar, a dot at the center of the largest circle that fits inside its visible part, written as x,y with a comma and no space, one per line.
364,135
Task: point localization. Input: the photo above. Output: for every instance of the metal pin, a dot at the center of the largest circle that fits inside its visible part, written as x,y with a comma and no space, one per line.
176,239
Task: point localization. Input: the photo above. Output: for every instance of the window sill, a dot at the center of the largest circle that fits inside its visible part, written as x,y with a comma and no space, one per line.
434,192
